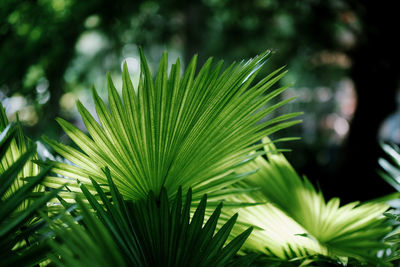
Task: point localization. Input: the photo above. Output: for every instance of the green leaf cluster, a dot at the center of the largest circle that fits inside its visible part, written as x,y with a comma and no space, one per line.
174,131
390,172
150,232
20,201
203,132
296,221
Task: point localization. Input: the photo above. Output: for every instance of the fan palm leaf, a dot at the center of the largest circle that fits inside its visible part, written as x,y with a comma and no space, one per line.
19,225
297,221
149,232
188,131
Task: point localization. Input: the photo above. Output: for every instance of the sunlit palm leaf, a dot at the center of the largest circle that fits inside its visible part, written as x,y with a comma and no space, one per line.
17,147
276,233
174,131
150,232
298,210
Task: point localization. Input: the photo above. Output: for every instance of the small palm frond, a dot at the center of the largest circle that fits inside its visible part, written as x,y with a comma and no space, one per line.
19,226
391,174
88,243
303,222
392,253
149,232
391,169
188,131
18,146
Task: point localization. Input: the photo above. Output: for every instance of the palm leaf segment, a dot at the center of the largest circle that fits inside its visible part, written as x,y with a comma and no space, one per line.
19,225
297,221
174,131
149,232
391,173
16,148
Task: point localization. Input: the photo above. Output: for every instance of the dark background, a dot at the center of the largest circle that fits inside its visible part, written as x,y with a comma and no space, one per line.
343,57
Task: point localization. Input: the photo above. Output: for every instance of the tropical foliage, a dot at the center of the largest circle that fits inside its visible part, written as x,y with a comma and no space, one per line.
204,134
390,172
15,146
19,199
188,131
150,232
311,225
391,167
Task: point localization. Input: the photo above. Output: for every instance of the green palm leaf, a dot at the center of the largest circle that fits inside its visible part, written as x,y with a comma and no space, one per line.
297,221
150,232
20,239
88,243
390,172
11,153
188,131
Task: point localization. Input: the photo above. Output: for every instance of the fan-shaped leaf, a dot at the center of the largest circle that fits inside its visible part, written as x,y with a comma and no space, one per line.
300,222
188,131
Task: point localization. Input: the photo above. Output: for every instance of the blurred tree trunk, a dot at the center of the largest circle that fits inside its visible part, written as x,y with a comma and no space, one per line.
375,72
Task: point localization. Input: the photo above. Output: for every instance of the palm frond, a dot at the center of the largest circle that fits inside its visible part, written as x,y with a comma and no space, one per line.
11,153
173,131
150,232
19,226
276,234
391,169
303,222
390,172
88,243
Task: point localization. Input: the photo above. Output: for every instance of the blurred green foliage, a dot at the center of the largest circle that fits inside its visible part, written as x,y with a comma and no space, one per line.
50,48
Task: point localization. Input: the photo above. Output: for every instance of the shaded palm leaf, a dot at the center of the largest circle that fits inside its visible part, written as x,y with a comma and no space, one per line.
88,243
391,168
150,232
19,225
392,254
390,172
303,222
188,131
